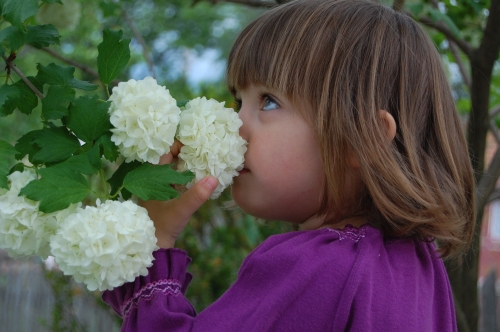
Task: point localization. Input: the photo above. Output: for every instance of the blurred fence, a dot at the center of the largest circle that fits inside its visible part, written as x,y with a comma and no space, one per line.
27,300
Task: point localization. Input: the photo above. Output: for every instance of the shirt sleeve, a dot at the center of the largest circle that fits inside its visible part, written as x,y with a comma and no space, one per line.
156,302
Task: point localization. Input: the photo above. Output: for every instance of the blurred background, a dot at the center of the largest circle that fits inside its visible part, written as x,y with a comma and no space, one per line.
184,44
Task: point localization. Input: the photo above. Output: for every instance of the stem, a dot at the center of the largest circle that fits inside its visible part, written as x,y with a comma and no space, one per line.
107,90
117,193
25,80
106,191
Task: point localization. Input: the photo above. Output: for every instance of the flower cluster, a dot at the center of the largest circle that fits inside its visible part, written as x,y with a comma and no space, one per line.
145,118
105,246
24,230
212,144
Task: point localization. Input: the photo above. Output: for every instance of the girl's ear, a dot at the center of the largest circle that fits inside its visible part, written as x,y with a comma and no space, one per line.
390,124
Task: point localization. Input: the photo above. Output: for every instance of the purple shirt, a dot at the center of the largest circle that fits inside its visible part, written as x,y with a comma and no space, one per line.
353,279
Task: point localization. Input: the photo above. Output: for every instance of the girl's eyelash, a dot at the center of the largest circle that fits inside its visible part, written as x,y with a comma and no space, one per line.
265,96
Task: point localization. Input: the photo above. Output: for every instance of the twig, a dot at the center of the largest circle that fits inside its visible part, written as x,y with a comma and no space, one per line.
141,41
21,75
461,66
78,65
494,111
441,27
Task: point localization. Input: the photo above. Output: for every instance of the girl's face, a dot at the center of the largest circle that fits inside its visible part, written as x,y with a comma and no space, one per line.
283,175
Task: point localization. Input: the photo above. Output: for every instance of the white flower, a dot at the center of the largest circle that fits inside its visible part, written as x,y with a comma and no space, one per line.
145,119
24,230
105,246
212,144
65,16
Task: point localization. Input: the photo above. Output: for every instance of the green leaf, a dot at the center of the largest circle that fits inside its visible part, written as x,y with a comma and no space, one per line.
19,167
182,103
56,144
109,9
42,35
153,181
114,55
57,189
95,156
17,11
88,118
116,180
110,150
58,75
13,38
55,104
52,1
26,146
6,92
25,101
7,153
80,164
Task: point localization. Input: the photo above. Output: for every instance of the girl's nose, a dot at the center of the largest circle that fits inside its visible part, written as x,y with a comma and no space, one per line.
244,129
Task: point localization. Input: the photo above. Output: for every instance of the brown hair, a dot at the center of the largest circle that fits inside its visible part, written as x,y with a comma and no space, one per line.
349,59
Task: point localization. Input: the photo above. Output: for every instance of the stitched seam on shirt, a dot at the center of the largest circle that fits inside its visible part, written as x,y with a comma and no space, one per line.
352,233
167,287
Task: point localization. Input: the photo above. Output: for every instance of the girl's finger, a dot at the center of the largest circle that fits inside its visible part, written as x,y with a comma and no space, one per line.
166,159
195,196
175,149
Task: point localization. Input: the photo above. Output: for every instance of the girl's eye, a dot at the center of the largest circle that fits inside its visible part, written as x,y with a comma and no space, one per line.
269,103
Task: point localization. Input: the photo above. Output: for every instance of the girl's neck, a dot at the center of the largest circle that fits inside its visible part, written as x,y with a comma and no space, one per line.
315,222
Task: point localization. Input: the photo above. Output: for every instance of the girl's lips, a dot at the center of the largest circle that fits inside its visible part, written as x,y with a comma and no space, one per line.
243,171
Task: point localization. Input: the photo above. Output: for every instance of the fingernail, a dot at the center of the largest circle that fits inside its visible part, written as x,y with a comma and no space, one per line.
211,183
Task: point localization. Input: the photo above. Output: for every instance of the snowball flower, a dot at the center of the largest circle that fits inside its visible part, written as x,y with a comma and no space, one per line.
24,230
145,119
105,246
65,16
212,144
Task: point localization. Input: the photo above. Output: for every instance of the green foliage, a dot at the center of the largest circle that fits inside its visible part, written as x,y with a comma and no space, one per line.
57,189
154,181
54,74
25,101
56,102
42,35
16,12
114,55
7,153
89,118
56,144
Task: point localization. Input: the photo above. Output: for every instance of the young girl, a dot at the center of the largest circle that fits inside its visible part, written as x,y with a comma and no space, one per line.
353,135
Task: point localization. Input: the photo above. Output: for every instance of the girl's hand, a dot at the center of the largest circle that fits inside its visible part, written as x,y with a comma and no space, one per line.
171,217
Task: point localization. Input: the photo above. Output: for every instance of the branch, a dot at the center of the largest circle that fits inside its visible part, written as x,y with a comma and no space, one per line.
141,41
78,65
494,111
490,44
398,5
461,66
21,75
488,181
443,28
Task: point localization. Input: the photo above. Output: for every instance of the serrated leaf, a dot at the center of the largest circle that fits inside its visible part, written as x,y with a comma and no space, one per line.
153,181
114,55
109,149
88,118
13,38
17,11
55,104
56,144
116,180
7,153
80,164
58,75
6,92
26,146
42,35
95,156
19,167
26,101
57,189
